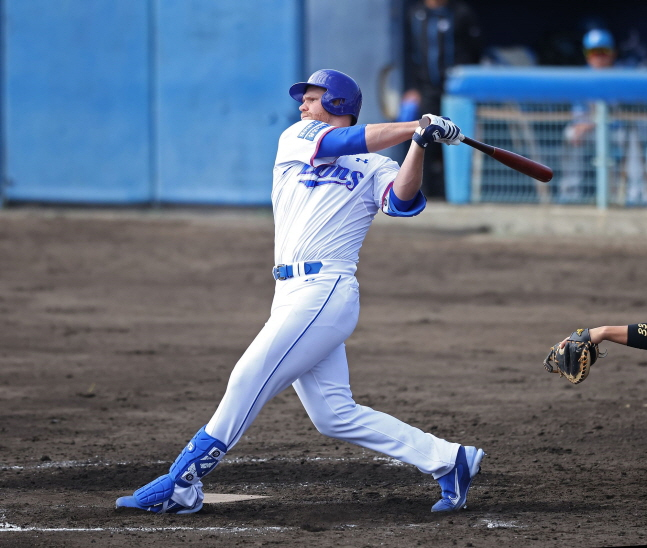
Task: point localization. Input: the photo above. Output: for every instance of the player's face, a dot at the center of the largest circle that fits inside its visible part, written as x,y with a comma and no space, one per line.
311,107
600,57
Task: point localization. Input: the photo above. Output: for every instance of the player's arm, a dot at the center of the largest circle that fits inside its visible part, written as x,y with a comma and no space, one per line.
634,335
359,140
344,141
381,136
613,333
439,129
409,179
403,197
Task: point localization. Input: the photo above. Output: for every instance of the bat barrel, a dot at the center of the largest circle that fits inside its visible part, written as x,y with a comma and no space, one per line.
515,161
523,165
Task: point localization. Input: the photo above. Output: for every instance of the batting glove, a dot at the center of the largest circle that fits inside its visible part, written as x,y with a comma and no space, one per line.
439,130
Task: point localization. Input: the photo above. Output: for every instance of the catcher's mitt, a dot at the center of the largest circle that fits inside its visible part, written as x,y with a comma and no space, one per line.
574,361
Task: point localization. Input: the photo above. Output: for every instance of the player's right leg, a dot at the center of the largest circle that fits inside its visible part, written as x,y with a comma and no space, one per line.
325,393
456,483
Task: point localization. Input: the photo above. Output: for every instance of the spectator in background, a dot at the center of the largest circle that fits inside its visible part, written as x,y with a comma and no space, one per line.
440,34
599,48
600,53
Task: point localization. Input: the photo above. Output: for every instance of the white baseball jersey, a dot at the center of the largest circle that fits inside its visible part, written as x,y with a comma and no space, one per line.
323,207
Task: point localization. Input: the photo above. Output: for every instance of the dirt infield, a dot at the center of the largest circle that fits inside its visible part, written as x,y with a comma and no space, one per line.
118,332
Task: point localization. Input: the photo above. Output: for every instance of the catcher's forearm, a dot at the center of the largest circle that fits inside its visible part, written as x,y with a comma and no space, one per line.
634,335
613,333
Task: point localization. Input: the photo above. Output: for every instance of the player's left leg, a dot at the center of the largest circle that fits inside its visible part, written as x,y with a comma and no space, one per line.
309,319
325,393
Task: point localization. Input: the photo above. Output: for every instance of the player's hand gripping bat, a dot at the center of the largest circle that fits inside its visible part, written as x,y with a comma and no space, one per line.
515,161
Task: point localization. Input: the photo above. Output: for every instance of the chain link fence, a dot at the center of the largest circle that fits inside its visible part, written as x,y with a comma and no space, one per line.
597,150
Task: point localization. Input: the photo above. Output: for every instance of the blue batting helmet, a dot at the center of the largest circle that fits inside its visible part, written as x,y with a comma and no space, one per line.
339,87
598,38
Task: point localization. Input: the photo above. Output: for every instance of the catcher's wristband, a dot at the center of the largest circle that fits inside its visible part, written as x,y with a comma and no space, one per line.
637,335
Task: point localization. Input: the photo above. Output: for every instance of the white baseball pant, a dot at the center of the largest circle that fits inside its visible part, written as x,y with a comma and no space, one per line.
302,344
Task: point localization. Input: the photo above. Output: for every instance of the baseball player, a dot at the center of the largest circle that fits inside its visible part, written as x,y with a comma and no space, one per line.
328,186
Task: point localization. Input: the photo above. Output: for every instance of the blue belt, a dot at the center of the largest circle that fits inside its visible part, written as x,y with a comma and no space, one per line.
285,271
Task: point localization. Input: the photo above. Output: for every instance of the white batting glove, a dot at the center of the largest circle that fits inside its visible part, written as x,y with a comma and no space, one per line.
439,130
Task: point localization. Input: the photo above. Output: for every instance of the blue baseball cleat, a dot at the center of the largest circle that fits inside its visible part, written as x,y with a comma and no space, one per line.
156,497
456,483
167,507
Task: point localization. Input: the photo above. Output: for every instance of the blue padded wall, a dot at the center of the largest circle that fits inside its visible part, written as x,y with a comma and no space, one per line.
223,78
147,101
75,96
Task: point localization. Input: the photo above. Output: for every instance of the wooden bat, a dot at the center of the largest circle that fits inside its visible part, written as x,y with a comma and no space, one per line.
515,161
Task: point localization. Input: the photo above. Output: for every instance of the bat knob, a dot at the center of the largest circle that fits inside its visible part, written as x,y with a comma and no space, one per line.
424,121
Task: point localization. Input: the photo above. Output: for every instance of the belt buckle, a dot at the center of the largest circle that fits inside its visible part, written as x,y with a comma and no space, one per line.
277,272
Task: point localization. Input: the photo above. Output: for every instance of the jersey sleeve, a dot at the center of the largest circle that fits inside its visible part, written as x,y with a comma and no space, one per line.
384,178
300,143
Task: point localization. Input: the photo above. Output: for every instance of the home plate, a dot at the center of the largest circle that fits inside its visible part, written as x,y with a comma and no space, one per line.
217,498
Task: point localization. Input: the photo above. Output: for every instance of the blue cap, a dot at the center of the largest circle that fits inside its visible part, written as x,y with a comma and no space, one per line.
598,38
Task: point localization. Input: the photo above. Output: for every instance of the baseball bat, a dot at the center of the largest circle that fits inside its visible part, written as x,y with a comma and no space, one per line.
515,161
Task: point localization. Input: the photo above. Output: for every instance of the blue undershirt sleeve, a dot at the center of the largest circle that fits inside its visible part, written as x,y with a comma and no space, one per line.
402,205
343,141
394,207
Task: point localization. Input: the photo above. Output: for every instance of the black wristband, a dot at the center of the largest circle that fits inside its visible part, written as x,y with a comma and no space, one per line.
637,335
420,140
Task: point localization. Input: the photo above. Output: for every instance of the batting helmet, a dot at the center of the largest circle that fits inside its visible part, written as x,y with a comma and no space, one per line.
598,38
339,87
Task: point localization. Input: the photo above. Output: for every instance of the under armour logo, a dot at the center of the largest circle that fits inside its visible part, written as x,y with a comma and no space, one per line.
360,160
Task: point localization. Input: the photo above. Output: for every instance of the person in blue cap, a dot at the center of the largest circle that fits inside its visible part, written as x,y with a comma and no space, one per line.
627,139
599,48
576,184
